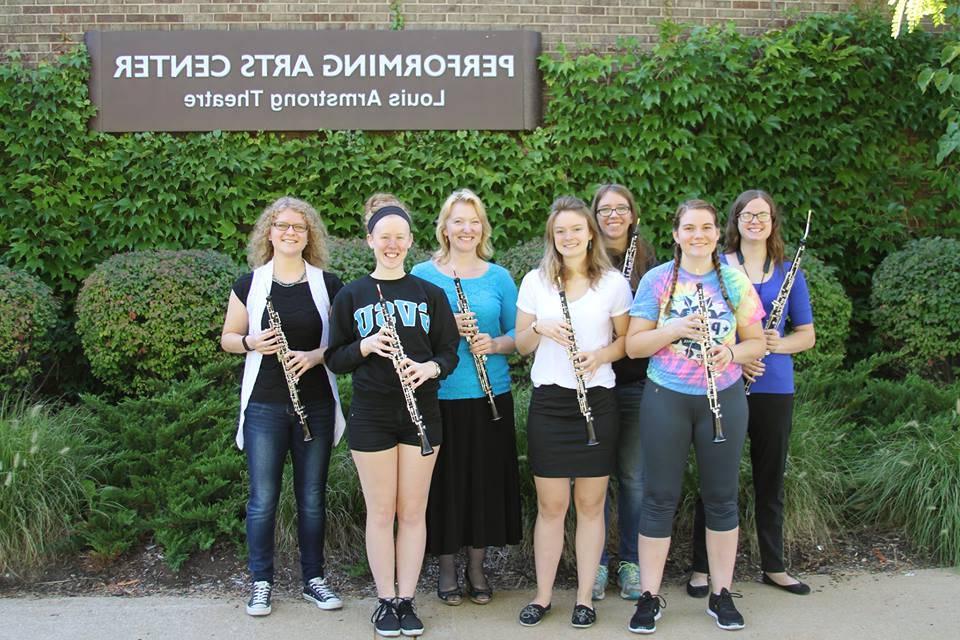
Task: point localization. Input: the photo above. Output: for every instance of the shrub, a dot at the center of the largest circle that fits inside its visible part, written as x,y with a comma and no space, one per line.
832,310
46,464
179,479
915,304
177,475
28,315
521,258
152,315
912,481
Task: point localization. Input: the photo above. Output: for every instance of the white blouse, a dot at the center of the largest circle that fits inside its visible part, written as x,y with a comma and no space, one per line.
591,317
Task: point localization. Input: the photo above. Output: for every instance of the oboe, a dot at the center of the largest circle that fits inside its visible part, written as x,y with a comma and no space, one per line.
572,351
780,302
273,319
705,342
630,256
397,357
479,361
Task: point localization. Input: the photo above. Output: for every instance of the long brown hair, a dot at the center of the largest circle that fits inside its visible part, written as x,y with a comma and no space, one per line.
731,236
677,254
259,249
645,253
551,266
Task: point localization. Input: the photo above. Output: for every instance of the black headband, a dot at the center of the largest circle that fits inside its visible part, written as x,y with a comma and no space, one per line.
383,212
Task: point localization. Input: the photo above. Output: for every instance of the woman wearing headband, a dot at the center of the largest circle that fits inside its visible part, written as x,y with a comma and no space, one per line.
384,439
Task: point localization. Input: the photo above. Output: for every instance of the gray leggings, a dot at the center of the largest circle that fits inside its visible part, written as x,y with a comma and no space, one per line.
670,421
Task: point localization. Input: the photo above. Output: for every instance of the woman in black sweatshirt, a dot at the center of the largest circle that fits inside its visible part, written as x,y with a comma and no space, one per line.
383,438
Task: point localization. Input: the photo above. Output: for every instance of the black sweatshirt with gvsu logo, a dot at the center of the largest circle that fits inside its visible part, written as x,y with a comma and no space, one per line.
425,325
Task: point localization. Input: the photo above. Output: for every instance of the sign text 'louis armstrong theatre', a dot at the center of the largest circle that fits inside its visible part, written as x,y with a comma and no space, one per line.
299,80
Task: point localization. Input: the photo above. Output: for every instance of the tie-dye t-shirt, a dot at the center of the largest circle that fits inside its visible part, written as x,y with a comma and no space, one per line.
678,366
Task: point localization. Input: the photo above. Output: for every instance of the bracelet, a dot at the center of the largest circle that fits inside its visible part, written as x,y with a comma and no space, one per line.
533,325
439,370
730,349
246,347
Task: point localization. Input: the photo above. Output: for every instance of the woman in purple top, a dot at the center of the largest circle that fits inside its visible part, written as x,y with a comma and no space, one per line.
755,247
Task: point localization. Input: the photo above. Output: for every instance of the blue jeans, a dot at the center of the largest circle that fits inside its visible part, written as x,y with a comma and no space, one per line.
270,430
629,473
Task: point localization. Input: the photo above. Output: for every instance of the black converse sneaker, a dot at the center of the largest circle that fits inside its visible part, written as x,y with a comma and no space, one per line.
317,590
385,620
645,618
410,624
259,602
724,611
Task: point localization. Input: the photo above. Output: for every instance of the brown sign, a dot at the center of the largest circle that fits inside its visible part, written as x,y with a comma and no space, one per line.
307,80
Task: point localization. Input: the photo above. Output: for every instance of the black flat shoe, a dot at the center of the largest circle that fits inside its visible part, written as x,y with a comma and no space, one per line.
797,589
698,592
583,616
478,596
452,597
532,614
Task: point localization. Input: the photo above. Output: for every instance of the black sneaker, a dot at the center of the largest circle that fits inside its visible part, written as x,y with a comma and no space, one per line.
724,611
317,590
410,623
645,618
259,602
583,616
385,620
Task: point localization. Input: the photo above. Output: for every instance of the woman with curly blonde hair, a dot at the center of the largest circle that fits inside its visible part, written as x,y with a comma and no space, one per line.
287,252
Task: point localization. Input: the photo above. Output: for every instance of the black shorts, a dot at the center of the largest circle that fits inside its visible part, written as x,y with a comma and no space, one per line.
379,424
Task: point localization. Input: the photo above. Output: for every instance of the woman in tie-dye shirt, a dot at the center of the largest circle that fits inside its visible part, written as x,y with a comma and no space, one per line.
666,325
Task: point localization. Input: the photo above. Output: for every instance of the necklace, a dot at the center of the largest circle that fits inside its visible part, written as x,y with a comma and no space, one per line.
303,276
763,275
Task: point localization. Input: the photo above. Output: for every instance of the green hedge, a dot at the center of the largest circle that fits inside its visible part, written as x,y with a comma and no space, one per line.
28,317
832,310
824,114
146,316
916,306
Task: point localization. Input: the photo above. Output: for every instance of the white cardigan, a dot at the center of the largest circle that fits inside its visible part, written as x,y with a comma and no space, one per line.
256,303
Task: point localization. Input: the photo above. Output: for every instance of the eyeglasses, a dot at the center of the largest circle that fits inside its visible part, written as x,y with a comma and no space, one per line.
620,210
749,216
283,226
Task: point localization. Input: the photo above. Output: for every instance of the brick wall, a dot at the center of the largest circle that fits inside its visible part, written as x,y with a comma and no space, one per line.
42,28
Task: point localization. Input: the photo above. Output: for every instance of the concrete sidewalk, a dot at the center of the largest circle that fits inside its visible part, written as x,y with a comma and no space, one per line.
914,604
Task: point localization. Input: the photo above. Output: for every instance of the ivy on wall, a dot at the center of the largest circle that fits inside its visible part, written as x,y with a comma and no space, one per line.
823,114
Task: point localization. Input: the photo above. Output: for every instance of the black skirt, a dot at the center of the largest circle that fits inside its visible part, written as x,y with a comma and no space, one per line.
557,433
475,492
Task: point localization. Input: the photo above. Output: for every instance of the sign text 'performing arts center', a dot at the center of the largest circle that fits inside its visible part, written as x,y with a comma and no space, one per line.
306,80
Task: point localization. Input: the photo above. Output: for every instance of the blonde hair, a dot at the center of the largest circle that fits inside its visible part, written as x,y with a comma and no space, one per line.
551,266
485,248
259,248
378,201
